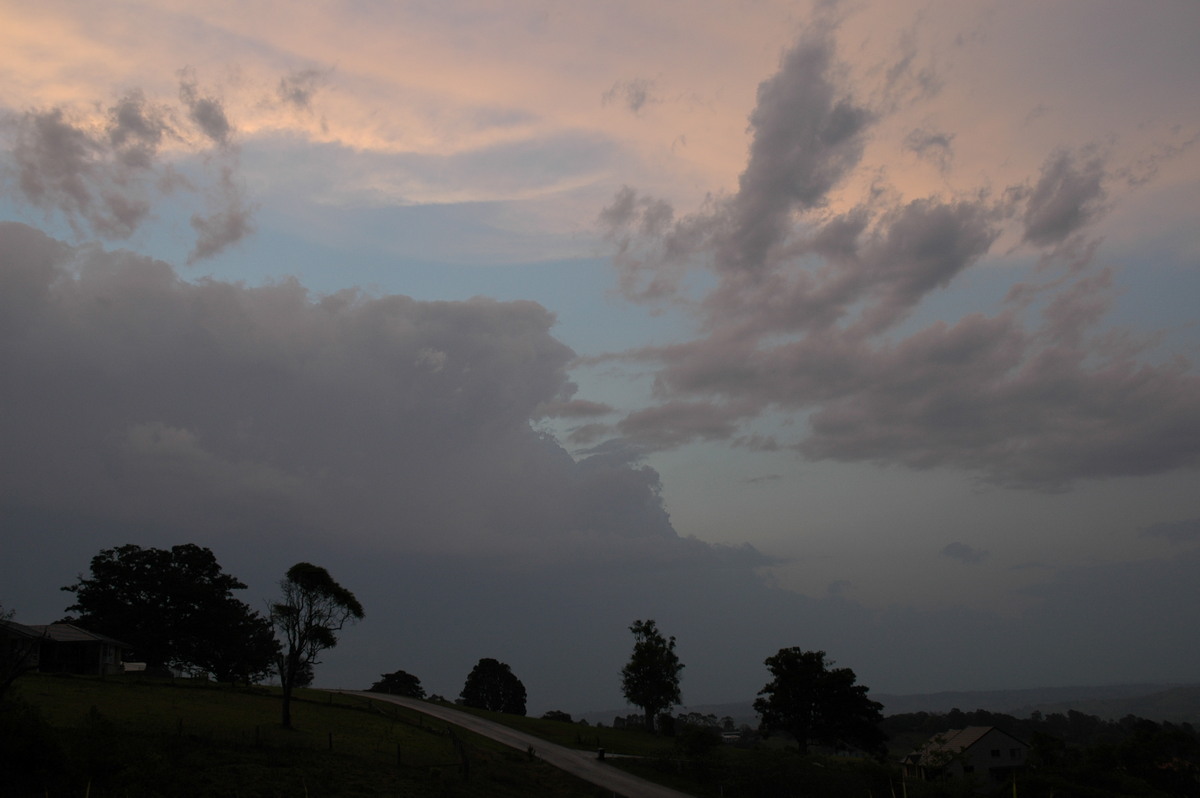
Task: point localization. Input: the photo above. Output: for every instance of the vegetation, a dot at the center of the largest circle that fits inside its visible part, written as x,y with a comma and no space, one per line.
816,703
141,736
493,686
1074,753
650,679
128,735
314,608
176,608
399,683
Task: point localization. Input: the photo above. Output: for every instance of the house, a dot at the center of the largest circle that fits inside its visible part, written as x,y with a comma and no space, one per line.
985,752
62,648
20,647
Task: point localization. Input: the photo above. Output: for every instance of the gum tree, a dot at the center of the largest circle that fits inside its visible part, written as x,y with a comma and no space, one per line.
312,610
650,679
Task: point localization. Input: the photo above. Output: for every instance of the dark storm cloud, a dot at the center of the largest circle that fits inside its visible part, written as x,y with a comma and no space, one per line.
811,311
1177,532
389,440
105,177
212,406
963,553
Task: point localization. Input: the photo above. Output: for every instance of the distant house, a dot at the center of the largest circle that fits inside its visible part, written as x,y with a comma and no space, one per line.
985,752
62,648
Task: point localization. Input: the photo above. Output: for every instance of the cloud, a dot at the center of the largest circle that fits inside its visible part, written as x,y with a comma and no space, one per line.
158,401
104,173
964,553
298,88
634,94
1185,531
821,311
577,408
937,148
229,221
207,112
1068,196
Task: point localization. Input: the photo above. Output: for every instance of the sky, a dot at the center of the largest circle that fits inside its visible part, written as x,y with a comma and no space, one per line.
866,327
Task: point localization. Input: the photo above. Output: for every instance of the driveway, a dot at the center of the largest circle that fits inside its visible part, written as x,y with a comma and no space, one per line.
583,764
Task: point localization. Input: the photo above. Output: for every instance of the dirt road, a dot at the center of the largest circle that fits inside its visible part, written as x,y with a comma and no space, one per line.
583,764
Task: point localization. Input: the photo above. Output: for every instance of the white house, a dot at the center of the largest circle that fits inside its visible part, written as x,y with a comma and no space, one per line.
986,752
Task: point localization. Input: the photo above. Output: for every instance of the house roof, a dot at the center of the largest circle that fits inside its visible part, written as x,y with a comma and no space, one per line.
12,627
69,633
956,741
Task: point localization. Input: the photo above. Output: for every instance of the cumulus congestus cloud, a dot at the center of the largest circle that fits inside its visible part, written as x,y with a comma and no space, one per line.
815,306
213,405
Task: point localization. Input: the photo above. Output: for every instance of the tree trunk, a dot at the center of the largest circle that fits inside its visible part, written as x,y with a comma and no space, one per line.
286,720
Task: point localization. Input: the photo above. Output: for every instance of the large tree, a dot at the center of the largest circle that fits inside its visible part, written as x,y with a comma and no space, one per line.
650,679
818,704
176,608
492,685
310,613
399,683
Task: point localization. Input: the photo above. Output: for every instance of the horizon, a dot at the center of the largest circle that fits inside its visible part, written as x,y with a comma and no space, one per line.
859,327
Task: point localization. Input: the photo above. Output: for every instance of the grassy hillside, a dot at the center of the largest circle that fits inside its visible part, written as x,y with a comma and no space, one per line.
75,736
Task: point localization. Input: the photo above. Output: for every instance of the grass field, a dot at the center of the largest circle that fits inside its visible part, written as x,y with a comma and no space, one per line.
77,736
87,737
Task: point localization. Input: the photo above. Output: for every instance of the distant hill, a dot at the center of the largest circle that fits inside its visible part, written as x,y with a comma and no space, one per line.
1157,702
1176,703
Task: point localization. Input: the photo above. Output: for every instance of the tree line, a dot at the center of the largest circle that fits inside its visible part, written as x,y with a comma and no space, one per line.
176,608
807,698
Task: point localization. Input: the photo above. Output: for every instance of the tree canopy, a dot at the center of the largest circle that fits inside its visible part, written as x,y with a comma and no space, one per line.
650,679
399,683
818,704
176,608
493,686
312,610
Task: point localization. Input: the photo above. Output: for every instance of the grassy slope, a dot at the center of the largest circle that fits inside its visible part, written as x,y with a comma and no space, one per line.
139,737
74,735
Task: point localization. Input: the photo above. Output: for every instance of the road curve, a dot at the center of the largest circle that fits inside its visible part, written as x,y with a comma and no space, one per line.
583,764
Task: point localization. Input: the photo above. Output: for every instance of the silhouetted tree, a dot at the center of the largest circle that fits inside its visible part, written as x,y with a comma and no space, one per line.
251,660
493,686
650,679
314,608
818,704
399,683
176,608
